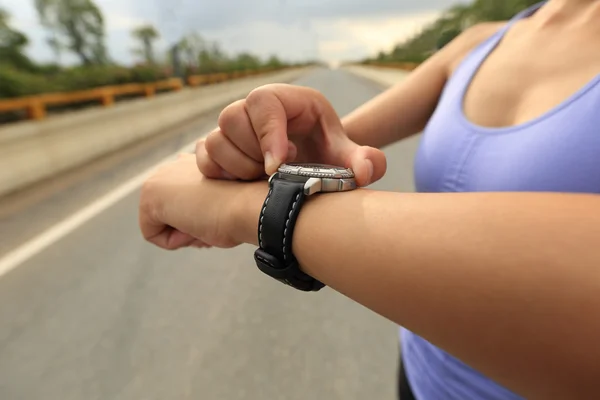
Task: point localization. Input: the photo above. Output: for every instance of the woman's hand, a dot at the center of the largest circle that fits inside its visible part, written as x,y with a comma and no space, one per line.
180,208
283,123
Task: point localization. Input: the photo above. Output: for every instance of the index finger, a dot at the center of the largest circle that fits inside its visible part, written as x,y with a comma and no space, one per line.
270,107
269,121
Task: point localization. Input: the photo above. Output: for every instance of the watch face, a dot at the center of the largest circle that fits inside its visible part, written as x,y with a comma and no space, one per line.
316,171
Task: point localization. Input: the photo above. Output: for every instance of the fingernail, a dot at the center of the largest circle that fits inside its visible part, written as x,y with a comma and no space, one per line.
369,171
270,163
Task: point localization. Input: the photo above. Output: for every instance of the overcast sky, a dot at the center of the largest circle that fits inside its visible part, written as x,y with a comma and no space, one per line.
293,29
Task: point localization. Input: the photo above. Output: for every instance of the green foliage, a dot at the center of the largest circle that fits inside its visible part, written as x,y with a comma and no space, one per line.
12,45
75,25
17,83
243,62
211,59
447,36
145,74
200,56
452,22
146,35
274,62
82,78
192,45
78,26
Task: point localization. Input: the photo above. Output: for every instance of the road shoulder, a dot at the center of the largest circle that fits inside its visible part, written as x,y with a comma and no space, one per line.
385,77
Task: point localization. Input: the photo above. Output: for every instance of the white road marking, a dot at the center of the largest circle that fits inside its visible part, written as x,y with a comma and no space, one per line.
27,250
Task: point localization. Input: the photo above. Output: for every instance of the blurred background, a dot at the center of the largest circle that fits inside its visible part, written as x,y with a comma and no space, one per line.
94,94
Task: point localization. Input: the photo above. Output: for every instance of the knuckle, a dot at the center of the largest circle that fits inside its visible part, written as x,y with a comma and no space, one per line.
203,162
205,166
231,113
147,193
319,96
202,165
212,142
267,128
268,91
200,145
319,101
258,95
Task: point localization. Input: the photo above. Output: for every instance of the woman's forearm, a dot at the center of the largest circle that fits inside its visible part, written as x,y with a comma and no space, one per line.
401,111
507,282
375,123
404,109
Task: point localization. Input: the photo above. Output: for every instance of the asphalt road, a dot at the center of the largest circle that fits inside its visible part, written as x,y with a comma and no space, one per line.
101,314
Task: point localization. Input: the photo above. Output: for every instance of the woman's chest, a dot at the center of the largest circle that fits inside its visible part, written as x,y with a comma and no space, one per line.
523,77
559,153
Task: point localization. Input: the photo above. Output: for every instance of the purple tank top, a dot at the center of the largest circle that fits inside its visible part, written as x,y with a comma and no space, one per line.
556,152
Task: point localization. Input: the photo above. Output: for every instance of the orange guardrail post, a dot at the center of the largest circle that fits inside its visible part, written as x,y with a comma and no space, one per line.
108,98
177,84
149,90
36,109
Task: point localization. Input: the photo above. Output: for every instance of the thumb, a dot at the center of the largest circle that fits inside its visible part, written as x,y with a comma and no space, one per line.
368,163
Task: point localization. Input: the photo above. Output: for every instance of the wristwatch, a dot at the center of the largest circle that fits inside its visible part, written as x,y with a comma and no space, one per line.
288,188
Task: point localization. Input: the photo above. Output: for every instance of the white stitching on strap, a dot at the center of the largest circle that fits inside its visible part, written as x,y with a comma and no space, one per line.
287,222
262,215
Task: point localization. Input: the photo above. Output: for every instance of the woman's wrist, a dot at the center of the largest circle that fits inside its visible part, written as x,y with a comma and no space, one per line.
247,211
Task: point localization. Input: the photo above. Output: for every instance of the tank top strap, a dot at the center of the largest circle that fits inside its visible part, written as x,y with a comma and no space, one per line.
463,74
528,12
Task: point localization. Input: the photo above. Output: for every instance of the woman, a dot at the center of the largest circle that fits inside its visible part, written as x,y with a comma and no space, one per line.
497,287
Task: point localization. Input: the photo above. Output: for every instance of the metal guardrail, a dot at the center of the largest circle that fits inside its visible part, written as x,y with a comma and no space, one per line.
36,106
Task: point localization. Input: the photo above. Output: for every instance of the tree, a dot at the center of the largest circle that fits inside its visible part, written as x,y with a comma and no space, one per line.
487,10
446,37
56,46
458,17
274,62
76,25
192,46
12,44
245,61
452,22
147,35
212,59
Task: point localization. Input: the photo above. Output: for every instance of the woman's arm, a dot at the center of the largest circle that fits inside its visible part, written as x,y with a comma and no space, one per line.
507,282
404,109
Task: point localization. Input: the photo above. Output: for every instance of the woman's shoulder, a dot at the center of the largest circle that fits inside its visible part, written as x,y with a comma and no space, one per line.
481,31
463,44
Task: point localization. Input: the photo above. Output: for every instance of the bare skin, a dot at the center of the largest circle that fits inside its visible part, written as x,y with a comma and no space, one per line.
507,282
521,79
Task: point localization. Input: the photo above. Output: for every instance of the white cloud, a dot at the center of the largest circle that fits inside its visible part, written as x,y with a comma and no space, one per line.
307,29
122,22
349,38
329,39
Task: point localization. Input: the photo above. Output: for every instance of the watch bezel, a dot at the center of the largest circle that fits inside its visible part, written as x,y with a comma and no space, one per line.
315,170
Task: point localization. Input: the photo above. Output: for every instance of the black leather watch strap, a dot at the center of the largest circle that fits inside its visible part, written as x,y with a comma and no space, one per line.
275,230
